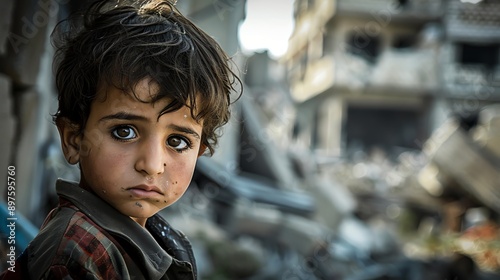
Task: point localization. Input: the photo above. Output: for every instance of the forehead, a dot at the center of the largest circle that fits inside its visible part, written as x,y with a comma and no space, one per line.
144,91
143,98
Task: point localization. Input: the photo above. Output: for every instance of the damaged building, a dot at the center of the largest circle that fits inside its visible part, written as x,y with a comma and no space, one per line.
387,73
247,198
395,78
361,79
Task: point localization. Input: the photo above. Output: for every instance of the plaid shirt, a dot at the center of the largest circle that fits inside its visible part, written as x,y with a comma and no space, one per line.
85,238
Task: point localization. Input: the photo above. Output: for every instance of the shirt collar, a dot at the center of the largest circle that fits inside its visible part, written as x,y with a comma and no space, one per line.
156,260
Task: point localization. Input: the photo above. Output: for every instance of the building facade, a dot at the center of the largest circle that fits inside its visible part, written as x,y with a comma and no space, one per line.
386,73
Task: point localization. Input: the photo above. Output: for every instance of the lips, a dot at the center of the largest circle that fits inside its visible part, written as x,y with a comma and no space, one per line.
145,191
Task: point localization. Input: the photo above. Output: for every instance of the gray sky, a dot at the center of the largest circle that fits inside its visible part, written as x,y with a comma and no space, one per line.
268,25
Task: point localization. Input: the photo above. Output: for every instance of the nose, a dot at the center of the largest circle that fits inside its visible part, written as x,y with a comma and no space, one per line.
150,158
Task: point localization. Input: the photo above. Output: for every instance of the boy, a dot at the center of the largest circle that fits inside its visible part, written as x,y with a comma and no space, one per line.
142,92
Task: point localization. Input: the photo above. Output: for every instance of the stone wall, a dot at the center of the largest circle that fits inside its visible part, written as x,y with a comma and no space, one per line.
28,97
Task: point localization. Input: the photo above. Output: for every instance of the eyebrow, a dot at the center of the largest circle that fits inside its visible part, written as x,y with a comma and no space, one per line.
131,117
184,129
124,116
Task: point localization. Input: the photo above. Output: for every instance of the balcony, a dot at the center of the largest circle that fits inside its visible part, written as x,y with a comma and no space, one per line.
406,70
473,22
394,72
472,81
386,11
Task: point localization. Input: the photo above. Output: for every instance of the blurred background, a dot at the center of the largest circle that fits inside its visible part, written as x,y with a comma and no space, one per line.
366,144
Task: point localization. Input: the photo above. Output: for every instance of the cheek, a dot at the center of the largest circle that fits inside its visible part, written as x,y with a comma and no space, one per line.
180,176
183,168
105,163
93,140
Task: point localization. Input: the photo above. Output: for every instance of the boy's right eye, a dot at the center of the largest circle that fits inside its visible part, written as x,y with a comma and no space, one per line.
124,133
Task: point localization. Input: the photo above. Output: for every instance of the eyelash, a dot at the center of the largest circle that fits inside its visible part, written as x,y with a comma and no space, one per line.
182,138
115,128
132,129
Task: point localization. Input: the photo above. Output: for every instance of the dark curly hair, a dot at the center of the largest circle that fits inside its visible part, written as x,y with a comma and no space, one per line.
119,43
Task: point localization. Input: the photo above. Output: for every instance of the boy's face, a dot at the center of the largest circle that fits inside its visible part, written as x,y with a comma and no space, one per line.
136,161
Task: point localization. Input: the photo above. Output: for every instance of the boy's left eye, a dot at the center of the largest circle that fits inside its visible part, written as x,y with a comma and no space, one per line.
178,143
124,133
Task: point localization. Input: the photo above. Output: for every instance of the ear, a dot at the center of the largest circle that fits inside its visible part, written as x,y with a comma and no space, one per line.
70,139
202,149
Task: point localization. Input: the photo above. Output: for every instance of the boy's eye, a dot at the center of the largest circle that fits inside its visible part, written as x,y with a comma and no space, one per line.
178,143
124,133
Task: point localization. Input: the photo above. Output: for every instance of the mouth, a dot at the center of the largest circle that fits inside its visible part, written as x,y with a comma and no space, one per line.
145,191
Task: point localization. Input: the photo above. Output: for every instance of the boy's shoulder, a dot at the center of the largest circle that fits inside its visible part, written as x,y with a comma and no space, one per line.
70,243
86,239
